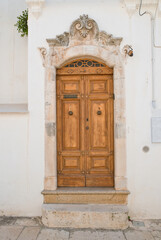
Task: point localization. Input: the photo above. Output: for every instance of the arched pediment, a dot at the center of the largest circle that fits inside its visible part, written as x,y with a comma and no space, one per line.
84,39
84,30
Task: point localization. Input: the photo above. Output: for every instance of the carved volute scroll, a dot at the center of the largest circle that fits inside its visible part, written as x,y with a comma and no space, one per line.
43,53
84,27
60,40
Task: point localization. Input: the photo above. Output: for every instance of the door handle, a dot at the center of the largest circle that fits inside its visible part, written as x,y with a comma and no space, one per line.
87,127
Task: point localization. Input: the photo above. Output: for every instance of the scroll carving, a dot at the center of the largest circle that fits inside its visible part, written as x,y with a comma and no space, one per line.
43,53
60,40
84,25
108,39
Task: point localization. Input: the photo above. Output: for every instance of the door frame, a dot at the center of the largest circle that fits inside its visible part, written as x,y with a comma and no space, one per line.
104,49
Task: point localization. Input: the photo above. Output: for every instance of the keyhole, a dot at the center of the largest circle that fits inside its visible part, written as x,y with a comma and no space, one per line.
87,119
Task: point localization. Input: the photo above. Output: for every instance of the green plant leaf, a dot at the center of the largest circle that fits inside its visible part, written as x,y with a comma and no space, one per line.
22,23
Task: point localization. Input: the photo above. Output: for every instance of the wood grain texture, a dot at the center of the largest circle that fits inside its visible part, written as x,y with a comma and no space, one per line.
85,127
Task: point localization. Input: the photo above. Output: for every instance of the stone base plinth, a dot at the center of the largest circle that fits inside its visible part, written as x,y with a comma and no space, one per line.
98,216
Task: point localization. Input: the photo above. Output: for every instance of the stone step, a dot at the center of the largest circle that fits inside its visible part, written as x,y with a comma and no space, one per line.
86,196
97,216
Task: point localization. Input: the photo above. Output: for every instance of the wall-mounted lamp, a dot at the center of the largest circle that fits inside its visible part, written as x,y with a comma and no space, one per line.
128,50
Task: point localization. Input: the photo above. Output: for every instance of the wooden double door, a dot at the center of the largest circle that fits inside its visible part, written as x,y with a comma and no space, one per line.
85,149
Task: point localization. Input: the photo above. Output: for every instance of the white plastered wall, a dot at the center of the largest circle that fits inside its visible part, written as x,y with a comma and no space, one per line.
13,59
27,155
143,169
20,178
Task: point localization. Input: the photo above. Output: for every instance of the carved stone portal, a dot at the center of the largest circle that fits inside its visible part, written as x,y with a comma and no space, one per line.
84,40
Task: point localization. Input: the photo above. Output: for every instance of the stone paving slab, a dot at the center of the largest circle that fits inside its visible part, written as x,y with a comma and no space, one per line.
153,224
10,232
32,229
138,235
97,235
156,235
51,234
29,233
30,222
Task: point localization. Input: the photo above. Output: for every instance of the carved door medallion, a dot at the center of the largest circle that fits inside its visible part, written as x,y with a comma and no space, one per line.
85,147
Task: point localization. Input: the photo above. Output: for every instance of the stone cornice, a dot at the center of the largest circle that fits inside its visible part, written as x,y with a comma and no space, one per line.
35,6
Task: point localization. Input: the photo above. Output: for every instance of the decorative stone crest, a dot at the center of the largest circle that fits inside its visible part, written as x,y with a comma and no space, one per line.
84,29
83,25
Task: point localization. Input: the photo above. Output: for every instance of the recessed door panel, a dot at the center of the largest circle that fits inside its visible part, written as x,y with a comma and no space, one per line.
98,86
100,165
71,124
98,124
71,86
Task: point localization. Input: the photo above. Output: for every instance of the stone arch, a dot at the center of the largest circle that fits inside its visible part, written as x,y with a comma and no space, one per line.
84,40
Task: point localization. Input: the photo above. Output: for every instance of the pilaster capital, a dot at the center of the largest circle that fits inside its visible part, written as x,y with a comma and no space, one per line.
131,6
159,8
147,5
35,6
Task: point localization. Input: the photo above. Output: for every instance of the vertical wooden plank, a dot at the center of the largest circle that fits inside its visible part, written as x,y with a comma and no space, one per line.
70,118
100,134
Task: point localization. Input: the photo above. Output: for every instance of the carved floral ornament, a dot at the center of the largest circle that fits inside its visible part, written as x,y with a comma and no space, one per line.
85,31
84,26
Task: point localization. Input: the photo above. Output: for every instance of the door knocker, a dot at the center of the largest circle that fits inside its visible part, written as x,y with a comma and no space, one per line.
70,113
99,112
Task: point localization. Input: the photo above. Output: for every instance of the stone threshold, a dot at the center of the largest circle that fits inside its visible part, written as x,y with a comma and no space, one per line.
86,196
